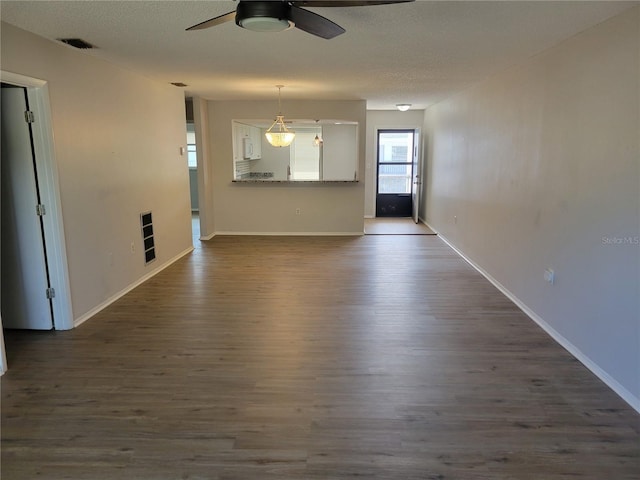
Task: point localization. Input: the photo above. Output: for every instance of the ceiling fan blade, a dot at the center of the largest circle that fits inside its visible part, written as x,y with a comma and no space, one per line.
212,22
345,3
314,24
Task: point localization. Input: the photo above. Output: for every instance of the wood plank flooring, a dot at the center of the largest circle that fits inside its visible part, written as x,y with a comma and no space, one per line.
395,226
375,357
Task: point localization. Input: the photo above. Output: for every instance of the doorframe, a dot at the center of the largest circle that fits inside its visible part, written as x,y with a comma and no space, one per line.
43,144
371,174
418,150
3,354
205,167
416,191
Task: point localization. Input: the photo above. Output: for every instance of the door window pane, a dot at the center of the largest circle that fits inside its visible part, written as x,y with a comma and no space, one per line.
395,161
394,179
395,147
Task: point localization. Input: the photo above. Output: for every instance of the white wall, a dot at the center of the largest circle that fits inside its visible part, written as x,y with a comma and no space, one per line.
117,138
540,166
271,208
377,120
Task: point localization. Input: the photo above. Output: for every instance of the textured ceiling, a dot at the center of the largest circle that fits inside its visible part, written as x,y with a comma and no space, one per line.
416,53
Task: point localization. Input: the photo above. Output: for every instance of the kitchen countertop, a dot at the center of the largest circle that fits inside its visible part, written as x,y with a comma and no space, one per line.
267,180
268,177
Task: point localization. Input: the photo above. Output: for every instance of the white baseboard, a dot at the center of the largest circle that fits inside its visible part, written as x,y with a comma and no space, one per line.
420,220
433,230
625,394
80,320
293,234
208,237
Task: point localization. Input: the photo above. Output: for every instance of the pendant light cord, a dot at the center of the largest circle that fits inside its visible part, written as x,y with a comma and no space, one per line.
279,102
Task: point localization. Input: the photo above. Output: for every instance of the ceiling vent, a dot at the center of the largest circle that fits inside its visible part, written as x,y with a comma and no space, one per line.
179,84
76,43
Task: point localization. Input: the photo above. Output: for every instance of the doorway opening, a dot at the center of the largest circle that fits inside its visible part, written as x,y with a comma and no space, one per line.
396,169
192,165
48,209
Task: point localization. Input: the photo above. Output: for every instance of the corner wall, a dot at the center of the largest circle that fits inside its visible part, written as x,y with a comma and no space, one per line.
117,138
539,168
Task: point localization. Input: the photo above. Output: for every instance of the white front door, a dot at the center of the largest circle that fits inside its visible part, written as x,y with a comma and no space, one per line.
25,278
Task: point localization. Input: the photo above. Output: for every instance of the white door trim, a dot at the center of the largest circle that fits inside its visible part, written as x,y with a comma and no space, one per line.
38,95
371,174
3,355
416,186
205,192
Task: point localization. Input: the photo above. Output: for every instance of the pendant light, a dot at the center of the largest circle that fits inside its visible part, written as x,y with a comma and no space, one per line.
278,134
318,140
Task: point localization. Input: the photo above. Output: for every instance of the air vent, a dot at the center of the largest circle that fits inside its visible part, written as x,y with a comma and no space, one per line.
179,84
147,237
77,43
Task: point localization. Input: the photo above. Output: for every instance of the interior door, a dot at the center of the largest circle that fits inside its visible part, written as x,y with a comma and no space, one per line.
417,179
25,278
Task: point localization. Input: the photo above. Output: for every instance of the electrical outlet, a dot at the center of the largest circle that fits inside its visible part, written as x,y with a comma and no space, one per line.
455,219
297,211
133,247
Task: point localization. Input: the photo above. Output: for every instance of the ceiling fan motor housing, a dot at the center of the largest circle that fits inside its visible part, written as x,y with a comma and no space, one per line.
265,16
278,15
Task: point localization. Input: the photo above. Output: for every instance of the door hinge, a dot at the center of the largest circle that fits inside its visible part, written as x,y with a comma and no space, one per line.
29,117
40,210
51,293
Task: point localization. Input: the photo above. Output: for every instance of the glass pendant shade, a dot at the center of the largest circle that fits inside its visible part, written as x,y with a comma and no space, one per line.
278,135
266,24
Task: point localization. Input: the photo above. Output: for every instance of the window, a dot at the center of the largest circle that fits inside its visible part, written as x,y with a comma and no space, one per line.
192,160
399,153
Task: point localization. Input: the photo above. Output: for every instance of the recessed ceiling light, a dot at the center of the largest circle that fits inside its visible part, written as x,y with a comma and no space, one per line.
403,107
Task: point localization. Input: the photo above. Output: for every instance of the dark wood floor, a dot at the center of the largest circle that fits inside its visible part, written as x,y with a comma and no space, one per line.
377,357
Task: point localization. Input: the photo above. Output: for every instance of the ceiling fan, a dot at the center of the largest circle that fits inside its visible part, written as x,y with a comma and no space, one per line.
278,15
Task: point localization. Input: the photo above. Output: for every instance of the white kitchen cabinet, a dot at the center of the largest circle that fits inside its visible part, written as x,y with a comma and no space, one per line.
247,142
255,134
